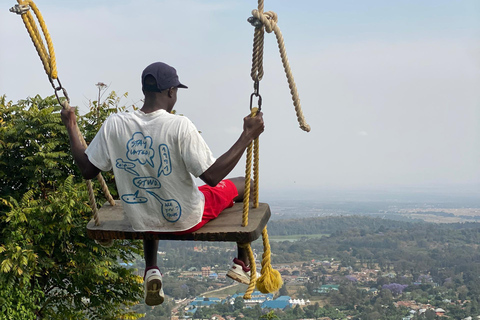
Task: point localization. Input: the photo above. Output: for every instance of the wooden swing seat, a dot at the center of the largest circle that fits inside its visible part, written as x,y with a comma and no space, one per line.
227,227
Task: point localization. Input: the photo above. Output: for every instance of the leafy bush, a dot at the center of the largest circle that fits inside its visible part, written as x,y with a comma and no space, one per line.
49,268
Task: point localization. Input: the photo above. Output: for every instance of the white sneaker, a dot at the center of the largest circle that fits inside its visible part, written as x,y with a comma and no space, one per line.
153,288
239,272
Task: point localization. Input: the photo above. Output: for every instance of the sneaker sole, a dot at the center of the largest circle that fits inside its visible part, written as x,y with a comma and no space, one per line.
235,276
154,294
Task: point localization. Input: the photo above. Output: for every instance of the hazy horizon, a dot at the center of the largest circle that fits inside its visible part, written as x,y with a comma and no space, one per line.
446,194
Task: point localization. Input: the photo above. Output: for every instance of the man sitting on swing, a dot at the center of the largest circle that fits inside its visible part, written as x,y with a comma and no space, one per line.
154,154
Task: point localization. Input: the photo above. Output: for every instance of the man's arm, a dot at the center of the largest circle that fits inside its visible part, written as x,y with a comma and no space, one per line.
252,128
87,169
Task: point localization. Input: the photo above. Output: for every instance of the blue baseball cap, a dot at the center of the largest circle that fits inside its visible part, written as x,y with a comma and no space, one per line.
165,76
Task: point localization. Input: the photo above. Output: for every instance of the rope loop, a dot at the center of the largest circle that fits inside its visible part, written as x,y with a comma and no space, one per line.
268,19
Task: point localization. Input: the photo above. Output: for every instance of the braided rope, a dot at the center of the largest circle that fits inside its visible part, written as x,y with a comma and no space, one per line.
251,149
257,55
269,20
93,203
248,174
47,57
49,64
256,181
246,195
260,5
105,190
270,279
291,82
253,271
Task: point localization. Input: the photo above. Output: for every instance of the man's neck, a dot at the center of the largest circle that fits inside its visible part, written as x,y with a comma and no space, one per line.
150,109
154,103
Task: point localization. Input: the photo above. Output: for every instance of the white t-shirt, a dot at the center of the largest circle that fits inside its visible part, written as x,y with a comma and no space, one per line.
153,156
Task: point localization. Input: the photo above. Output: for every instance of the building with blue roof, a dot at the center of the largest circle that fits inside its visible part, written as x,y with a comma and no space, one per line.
281,302
265,300
204,302
192,310
201,302
256,298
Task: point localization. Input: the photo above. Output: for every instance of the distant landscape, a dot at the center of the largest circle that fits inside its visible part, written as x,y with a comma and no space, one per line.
427,205
381,258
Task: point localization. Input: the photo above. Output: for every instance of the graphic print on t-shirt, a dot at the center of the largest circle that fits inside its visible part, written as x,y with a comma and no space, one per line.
165,162
134,198
147,183
127,166
139,149
171,209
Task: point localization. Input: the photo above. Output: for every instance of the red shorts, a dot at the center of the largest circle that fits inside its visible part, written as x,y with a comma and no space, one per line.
217,199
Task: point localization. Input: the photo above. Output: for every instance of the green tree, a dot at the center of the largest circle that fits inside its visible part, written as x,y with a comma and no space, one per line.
297,312
283,290
34,147
269,315
430,314
49,269
238,304
199,314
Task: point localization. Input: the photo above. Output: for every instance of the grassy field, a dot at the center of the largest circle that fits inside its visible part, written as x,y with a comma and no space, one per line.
296,237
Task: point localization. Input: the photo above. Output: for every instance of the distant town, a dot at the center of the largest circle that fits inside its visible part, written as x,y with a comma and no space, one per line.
390,261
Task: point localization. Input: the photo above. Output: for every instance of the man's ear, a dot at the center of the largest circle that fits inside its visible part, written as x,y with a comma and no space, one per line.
170,92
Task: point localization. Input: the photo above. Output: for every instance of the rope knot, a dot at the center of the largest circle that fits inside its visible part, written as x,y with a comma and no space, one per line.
269,19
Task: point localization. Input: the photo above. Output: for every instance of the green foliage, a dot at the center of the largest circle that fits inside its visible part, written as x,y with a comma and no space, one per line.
91,122
34,147
18,301
157,313
183,288
49,269
239,304
269,315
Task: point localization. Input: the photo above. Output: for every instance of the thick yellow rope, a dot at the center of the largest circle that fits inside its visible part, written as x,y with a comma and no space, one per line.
246,206
246,195
47,57
50,66
248,174
269,23
253,270
256,182
257,55
270,279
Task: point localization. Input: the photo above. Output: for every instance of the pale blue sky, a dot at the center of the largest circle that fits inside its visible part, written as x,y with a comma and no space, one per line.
390,88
